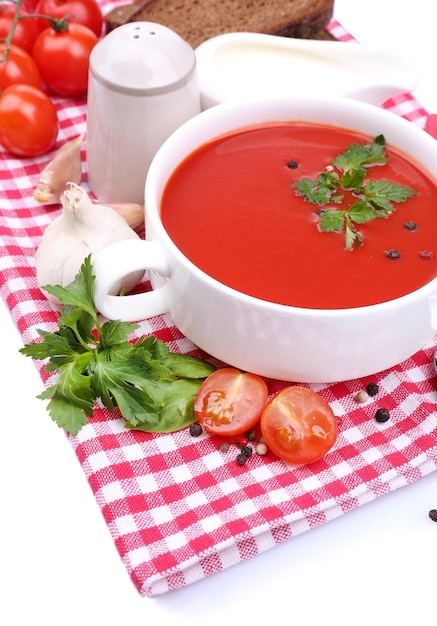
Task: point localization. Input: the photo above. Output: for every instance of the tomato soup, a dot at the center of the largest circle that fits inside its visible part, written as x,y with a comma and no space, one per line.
232,209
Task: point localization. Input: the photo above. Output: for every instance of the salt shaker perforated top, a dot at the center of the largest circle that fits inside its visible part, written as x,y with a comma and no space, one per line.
142,86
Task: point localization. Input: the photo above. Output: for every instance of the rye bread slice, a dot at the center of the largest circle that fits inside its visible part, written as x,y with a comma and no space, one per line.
198,20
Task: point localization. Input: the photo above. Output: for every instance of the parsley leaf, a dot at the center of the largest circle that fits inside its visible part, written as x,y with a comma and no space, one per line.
79,293
151,387
331,220
358,155
177,400
382,193
319,191
361,212
375,198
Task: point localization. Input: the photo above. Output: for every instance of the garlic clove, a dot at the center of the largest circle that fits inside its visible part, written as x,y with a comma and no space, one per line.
81,229
133,213
66,166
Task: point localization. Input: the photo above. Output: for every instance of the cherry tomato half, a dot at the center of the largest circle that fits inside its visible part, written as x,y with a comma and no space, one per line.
19,67
85,12
298,425
229,402
28,121
63,58
26,30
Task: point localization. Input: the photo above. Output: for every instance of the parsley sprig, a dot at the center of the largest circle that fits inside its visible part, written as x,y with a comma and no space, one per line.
153,388
374,198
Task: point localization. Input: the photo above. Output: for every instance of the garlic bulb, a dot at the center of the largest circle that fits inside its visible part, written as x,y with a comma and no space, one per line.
66,166
132,213
81,229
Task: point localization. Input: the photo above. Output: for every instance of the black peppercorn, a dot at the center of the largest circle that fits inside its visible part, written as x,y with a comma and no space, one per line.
382,415
425,254
196,429
247,451
292,164
251,435
241,459
372,389
433,515
410,225
392,254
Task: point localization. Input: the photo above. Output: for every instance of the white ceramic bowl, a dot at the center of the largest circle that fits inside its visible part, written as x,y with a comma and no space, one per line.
277,341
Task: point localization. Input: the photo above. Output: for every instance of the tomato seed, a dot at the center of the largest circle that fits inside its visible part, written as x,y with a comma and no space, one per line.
382,415
425,254
196,429
433,515
372,389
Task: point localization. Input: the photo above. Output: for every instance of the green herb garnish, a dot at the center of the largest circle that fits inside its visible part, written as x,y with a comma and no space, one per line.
348,172
153,388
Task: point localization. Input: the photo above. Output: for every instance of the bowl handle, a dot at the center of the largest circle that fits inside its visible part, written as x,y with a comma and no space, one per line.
116,261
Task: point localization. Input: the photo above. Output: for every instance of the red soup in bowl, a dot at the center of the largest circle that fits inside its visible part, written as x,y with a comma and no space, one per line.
233,209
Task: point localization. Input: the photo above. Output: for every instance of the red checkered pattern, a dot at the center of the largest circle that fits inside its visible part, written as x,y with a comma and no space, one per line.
177,507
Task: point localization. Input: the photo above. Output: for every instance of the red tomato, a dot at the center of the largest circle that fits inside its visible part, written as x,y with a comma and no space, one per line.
298,425
26,30
85,12
18,68
28,121
29,5
63,58
230,402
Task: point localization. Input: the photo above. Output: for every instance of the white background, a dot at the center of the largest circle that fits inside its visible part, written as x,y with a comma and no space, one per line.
59,566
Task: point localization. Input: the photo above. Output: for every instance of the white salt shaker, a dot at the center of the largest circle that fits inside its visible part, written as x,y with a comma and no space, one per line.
142,86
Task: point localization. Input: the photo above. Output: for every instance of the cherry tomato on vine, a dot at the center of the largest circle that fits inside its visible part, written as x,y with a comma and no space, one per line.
85,12
62,58
26,30
29,5
28,121
298,425
19,67
229,402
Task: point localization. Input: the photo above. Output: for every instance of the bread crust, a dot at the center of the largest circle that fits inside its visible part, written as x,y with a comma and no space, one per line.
198,20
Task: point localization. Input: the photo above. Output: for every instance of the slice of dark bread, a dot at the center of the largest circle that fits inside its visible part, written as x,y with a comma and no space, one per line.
198,20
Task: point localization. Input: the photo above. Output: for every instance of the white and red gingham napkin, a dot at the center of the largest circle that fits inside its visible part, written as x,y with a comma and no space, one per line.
177,507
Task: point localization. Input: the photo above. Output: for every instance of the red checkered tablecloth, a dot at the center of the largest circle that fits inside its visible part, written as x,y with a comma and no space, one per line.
177,508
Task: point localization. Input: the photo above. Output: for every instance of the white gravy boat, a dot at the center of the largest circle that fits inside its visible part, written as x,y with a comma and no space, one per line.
252,65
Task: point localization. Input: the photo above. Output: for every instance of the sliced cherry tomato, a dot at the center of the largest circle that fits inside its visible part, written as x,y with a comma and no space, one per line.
85,12
19,67
229,402
298,425
26,30
63,58
28,121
